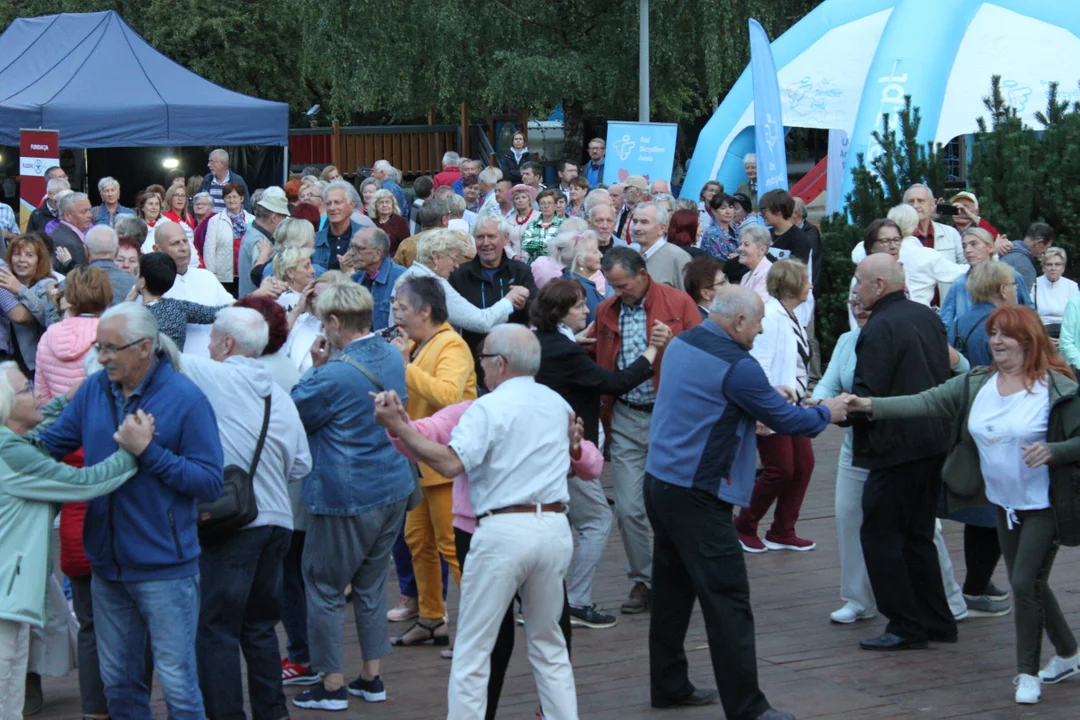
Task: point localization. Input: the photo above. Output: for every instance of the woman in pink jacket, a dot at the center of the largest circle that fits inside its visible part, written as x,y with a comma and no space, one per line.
61,350
586,462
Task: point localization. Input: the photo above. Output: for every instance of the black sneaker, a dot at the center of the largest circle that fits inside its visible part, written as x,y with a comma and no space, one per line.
590,617
371,690
319,698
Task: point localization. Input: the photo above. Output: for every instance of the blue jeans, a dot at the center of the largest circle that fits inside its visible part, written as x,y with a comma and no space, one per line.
124,614
241,606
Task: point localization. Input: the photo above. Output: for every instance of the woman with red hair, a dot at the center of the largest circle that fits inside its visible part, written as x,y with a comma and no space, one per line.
684,231
1017,445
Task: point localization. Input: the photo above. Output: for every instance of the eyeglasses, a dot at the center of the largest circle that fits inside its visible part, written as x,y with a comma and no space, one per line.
112,350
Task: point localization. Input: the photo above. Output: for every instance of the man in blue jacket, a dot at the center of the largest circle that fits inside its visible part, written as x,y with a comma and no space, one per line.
370,250
142,539
701,464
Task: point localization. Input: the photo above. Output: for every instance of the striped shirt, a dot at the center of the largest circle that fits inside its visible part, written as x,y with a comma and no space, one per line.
216,193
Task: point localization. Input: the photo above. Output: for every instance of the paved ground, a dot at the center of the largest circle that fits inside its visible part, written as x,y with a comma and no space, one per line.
807,665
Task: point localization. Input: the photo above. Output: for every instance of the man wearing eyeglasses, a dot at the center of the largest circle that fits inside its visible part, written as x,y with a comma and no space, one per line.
142,539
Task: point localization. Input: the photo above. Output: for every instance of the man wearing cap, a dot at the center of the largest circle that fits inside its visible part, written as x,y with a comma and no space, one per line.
967,214
635,190
271,209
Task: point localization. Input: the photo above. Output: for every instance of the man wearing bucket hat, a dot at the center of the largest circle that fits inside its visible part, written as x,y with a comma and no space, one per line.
967,214
270,210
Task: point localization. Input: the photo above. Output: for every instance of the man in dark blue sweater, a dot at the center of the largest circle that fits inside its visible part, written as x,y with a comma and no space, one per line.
142,539
701,465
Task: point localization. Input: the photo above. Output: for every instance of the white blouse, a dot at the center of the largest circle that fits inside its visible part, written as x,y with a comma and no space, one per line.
782,349
1001,426
1050,299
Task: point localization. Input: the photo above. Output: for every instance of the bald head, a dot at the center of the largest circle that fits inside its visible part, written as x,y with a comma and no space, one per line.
170,238
877,276
738,311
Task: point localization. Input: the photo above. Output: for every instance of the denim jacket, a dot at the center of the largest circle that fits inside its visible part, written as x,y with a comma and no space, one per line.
355,467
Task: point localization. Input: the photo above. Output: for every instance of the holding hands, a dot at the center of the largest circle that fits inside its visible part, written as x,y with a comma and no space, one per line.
136,432
660,335
390,411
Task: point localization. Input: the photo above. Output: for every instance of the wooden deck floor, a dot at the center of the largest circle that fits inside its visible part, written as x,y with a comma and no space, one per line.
807,666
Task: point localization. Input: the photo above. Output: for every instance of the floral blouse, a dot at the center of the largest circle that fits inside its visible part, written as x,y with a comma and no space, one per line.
718,242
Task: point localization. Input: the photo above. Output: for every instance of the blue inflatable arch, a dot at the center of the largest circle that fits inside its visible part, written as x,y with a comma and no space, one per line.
849,61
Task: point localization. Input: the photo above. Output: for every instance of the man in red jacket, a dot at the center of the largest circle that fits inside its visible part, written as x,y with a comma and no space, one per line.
451,170
640,310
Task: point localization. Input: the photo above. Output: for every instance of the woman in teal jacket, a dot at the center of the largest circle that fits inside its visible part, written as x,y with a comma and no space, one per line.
32,486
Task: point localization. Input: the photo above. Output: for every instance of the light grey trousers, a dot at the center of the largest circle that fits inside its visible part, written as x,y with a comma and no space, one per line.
629,449
339,551
590,522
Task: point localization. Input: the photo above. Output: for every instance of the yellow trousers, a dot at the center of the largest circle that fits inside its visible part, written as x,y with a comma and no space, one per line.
429,533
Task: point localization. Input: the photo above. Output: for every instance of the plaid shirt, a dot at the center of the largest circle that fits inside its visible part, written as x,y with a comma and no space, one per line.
7,219
635,339
536,238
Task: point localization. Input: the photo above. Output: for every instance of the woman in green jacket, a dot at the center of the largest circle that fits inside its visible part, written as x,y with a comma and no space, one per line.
32,486
1016,443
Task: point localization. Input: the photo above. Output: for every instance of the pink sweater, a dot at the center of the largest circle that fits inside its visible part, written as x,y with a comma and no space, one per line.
60,355
440,426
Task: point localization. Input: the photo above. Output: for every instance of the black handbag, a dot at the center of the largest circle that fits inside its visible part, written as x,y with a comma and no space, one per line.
236,507
417,495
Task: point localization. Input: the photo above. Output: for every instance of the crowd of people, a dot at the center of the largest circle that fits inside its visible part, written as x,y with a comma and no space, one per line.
251,409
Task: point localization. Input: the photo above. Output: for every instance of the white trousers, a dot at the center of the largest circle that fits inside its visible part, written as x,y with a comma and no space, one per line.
14,651
854,582
528,554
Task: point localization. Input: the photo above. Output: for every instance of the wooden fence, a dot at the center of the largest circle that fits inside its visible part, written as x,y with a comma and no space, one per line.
412,149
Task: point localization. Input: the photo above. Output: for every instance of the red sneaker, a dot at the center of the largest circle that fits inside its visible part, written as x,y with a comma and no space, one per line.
297,674
751,543
789,543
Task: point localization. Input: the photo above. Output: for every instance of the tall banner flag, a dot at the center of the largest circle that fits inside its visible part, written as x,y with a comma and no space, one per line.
634,148
768,122
39,150
834,172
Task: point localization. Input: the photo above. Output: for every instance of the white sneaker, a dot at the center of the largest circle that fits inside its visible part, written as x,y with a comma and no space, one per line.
1060,668
1028,689
848,614
407,608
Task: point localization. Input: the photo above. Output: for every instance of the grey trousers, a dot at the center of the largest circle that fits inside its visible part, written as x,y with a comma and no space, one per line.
344,550
590,522
629,449
1029,549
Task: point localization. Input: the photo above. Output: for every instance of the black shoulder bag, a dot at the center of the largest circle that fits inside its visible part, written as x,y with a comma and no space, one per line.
236,507
417,495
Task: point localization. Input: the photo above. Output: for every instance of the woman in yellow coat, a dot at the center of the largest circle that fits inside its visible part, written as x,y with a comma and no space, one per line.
439,372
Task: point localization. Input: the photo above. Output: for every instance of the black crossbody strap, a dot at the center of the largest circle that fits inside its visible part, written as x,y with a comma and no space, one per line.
363,369
262,439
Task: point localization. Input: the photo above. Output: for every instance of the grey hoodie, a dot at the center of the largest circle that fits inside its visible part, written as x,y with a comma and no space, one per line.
237,389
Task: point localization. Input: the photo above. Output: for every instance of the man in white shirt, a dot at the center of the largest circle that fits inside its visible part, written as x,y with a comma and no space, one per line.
513,444
665,261
194,284
240,576
942,238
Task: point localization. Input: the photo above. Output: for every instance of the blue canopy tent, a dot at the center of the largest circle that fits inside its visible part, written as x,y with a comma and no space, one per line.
92,78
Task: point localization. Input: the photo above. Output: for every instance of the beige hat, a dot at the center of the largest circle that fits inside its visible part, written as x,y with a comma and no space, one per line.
637,181
274,200
965,196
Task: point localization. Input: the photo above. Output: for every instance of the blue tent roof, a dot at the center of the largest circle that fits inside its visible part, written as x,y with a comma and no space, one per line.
90,76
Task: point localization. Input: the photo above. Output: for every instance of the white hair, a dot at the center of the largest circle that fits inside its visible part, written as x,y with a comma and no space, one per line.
56,185
661,211
492,216
919,186
318,187
101,240
202,196
489,176
221,155
451,159
247,328
749,157
7,393
906,217
289,258
736,300
666,198
757,234
107,182
140,324
517,345
382,166
294,232
350,191
67,202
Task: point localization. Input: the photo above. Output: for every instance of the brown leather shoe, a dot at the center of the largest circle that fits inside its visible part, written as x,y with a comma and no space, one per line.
639,599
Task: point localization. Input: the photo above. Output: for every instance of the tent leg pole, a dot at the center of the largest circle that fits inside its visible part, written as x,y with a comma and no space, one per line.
285,169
